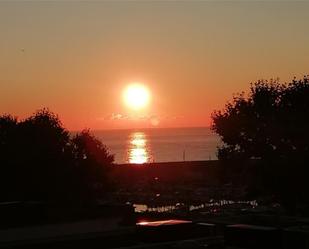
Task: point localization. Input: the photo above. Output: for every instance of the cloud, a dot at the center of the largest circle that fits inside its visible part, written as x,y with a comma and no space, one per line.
116,116
113,116
153,119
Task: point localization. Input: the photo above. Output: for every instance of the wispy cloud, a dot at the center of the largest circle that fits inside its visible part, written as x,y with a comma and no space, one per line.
153,119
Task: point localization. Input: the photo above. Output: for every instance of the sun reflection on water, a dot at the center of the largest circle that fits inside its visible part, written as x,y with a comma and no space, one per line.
138,150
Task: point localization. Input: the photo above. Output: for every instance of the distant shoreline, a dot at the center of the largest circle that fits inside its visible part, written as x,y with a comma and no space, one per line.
144,128
170,173
172,163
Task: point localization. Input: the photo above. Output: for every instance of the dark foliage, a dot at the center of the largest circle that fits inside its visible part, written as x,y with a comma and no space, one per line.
91,156
40,161
272,122
271,126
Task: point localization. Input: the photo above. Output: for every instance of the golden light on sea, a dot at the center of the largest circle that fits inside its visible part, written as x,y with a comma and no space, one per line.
138,151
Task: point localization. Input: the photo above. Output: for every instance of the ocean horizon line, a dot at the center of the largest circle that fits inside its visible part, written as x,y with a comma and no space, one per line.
143,128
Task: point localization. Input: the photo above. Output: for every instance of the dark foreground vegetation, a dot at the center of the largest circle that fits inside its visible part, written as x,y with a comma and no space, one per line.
270,125
41,162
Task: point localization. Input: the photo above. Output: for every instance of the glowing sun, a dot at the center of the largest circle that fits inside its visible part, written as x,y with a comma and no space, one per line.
136,96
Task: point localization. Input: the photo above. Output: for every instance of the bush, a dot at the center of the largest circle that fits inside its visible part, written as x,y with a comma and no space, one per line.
40,161
270,125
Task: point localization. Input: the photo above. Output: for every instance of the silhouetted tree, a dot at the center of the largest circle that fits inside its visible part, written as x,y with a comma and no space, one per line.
272,121
40,161
44,156
8,137
92,160
270,125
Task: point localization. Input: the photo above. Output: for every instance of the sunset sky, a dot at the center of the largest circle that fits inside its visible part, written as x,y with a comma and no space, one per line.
76,58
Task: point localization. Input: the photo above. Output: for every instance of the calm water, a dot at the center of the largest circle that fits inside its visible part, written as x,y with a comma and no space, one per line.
160,145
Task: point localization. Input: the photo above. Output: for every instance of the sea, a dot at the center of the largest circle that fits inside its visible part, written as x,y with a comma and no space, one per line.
160,144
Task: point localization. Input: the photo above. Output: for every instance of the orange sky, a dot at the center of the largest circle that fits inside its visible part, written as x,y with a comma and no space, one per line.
76,57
